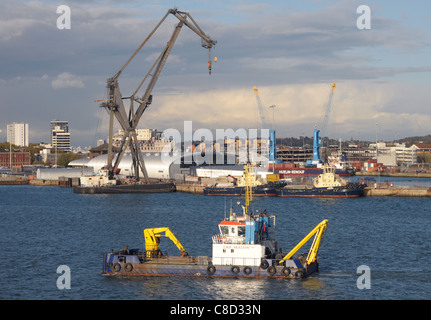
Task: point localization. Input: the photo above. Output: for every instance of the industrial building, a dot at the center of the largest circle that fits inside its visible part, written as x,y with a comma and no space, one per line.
56,173
172,166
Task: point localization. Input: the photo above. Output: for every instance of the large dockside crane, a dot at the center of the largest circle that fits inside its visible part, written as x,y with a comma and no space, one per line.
129,120
272,143
320,135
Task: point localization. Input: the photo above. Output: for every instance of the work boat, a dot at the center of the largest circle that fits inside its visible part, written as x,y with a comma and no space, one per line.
261,188
244,247
327,184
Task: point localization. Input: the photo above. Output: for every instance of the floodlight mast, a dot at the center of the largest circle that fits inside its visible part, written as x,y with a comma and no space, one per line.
129,121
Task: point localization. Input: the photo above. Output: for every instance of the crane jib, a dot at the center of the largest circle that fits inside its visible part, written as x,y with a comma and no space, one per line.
130,120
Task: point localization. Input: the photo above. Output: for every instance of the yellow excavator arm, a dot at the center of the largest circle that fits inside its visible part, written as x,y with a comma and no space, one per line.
312,253
152,240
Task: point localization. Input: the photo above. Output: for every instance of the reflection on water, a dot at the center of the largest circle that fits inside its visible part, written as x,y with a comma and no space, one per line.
50,226
238,288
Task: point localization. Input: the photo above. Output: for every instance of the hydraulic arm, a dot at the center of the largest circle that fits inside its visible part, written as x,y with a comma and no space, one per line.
312,253
152,240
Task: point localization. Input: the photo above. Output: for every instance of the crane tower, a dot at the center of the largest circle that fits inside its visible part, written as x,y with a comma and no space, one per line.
129,120
318,139
272,140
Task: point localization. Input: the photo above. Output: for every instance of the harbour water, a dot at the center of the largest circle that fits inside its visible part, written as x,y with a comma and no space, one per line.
43,228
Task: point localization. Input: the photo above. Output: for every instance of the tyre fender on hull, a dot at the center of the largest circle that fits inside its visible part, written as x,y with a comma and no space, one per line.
272,270
299,274
247,270
211,270
234,269
285,271
264,264
116,267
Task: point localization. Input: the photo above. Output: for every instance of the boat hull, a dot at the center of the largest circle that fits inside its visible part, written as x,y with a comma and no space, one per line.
349,191
189,266
126,188
240,191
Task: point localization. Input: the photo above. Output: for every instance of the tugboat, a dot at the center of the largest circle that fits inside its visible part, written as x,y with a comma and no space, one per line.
244,247
237,188
327,184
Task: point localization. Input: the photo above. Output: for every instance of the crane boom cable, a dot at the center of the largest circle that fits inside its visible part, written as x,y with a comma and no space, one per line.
260,108
325,120
142,44
129,120
143,105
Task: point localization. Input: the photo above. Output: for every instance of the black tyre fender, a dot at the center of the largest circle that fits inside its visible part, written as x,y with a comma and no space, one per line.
128,267
264,264
286,271
234,269
211,269
272,270
116,267
299,274
247,270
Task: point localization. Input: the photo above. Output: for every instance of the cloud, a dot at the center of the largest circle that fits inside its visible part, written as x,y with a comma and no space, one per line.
356,108
292,52
67,80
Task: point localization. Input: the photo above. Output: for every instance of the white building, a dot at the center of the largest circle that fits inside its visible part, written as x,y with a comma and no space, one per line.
395,154
60,135
17,134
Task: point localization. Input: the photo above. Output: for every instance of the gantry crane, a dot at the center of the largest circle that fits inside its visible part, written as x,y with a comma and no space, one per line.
129,120
320,134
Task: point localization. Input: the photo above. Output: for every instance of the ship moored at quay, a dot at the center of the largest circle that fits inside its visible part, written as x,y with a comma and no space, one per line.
327,184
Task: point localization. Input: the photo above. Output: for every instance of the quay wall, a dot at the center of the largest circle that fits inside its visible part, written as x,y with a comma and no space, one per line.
398,192
394,174
41,182
189,188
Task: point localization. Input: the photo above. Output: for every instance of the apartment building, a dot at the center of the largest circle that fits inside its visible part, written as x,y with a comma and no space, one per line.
17,134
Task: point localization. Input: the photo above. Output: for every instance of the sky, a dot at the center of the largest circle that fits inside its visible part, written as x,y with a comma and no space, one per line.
292,51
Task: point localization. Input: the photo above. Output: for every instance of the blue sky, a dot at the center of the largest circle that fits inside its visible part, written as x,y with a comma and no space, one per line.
291,50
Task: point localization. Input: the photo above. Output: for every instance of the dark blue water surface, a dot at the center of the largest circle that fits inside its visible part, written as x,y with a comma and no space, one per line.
42,228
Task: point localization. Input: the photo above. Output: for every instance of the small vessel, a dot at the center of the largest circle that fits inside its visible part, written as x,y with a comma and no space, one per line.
327,184
238,187
244,247
102,184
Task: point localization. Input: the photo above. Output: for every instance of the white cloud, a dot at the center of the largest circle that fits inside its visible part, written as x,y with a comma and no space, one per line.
67,80
291,55
356,108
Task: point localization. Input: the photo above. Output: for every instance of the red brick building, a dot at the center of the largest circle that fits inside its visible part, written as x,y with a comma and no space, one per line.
19,157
